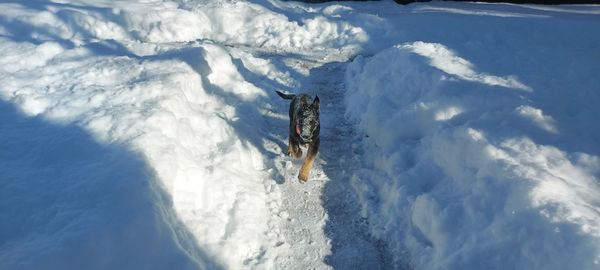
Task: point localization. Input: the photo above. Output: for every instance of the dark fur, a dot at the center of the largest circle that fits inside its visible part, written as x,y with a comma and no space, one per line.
304,129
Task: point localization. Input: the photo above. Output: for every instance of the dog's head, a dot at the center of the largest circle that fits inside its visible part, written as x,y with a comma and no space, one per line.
307,121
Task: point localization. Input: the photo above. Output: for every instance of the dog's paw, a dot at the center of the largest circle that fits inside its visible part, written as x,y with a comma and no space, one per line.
294,154
302,178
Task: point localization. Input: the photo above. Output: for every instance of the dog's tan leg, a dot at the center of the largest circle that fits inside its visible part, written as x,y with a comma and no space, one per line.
308,162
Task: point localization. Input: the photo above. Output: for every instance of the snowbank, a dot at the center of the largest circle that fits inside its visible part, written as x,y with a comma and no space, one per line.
150,82
465,170
164,84
160,107
227,22
69,202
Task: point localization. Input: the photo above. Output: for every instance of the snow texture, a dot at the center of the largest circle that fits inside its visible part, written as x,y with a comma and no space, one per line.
134,125
491,165
147,135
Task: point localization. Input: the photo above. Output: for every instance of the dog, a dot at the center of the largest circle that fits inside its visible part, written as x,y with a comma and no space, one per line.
304,129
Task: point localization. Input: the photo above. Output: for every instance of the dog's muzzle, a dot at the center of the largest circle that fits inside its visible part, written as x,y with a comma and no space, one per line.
306,140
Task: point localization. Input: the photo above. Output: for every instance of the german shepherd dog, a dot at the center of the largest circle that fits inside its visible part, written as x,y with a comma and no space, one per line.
304,130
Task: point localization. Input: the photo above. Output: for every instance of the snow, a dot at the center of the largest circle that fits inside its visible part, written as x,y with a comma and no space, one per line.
487,165
147,135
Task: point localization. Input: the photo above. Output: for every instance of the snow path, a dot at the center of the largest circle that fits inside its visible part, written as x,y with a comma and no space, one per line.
320,219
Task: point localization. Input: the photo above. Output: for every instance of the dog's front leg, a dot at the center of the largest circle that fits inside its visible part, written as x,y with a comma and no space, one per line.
313,148
290,149
294,148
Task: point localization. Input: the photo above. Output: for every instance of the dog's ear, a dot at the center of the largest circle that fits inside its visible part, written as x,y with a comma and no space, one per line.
316,102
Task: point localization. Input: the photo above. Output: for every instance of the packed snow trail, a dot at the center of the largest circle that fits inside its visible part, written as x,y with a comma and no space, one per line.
320,219
352,246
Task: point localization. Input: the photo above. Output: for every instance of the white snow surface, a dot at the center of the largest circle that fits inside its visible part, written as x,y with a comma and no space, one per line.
147,135
480,149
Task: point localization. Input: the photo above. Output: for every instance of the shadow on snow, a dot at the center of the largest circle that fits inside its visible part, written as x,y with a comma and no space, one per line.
67,201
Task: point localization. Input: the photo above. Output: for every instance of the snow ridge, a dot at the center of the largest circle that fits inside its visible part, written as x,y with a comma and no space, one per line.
449,181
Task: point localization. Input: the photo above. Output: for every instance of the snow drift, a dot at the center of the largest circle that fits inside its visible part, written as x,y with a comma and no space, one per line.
469,170
158,107
154,87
